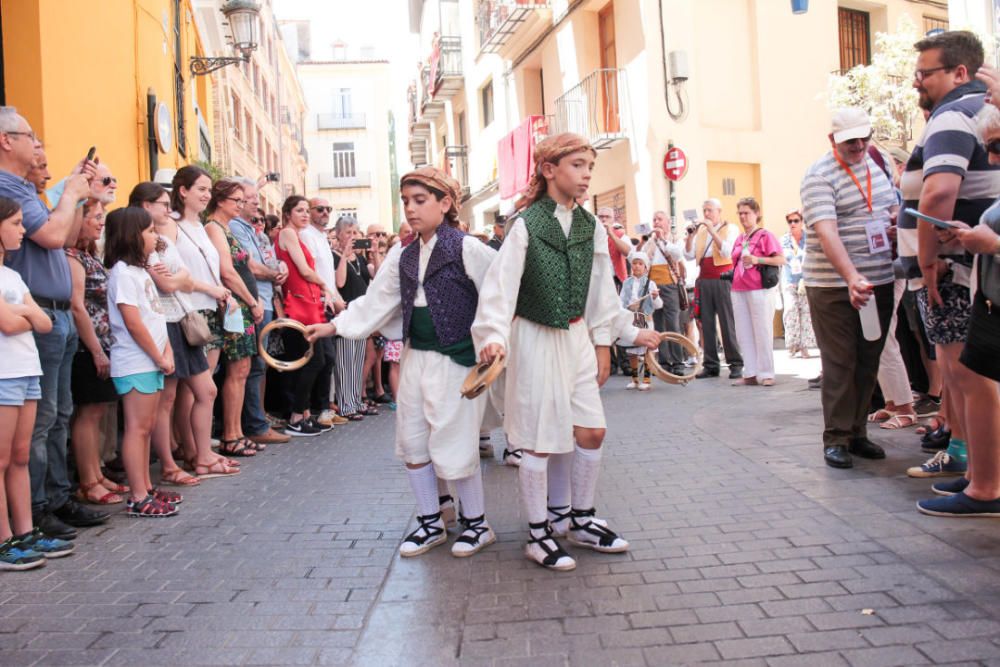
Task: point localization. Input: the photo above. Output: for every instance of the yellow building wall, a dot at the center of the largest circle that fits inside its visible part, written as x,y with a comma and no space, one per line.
80,71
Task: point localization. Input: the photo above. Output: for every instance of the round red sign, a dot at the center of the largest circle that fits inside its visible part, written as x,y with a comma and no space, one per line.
675,164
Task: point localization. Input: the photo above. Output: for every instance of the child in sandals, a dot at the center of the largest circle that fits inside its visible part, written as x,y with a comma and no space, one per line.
140,351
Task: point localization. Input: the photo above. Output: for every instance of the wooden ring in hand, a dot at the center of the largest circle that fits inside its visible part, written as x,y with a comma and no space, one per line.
482,376
659,371
280,364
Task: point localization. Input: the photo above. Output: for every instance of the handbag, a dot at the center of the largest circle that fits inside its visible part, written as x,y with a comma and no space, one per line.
223,310
195,328
769,275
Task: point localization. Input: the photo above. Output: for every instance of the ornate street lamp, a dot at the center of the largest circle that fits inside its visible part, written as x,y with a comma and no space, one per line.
242,16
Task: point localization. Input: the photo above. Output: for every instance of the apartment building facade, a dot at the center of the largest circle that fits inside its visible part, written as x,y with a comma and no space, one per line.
738,85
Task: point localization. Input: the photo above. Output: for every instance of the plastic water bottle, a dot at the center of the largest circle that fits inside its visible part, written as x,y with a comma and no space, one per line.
871,328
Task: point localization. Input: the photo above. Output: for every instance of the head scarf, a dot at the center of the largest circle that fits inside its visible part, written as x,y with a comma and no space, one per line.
551,149
639,255
432,177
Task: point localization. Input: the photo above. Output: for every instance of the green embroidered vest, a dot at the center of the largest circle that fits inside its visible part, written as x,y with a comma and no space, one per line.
557,269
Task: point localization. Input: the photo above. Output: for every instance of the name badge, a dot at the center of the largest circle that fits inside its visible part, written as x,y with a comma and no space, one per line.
878,239
796,265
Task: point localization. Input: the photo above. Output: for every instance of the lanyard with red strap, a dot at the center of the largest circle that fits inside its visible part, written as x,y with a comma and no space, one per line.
850,172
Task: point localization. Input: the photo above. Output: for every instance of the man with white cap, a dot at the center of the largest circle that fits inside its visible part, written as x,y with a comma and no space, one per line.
848,204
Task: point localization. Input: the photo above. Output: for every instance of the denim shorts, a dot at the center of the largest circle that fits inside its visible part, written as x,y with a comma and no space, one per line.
15,391
149,382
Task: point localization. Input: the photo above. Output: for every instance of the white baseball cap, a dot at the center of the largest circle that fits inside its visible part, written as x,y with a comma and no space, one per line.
850,123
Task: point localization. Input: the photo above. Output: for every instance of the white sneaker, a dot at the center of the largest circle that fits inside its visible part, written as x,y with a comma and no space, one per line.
429,534
645,386
545,551
632,385
326,418
559,520
476,535
586,531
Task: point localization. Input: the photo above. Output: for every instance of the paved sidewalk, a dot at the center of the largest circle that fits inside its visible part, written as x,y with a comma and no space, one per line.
746,549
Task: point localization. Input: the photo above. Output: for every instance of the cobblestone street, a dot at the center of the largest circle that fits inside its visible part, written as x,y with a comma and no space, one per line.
746,549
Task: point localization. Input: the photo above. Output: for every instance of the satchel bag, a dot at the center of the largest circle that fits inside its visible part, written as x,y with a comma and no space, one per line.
195,328
769,275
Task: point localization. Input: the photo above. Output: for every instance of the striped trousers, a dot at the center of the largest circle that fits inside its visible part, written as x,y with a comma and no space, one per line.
350,363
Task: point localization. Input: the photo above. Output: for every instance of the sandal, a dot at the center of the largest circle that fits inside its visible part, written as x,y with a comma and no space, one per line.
169,497
900,420
178,478
881,415
236,447
355,417
767,382
109,498
149,507
113,487
369,411
934,424
216,469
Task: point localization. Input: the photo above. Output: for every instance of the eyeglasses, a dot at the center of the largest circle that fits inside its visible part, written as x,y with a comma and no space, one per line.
322,209
256,221
30,135
993,147
793,221
239,202
921,74
108,180
162,203
377,234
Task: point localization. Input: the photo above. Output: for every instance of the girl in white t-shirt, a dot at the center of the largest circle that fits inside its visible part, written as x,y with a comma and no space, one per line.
21,546
140,350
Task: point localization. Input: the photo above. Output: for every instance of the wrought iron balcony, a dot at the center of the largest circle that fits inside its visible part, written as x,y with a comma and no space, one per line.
505,26
458,162
448,78
360,179
334,121
596,108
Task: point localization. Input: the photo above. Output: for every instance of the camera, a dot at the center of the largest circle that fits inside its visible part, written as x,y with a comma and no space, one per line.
273,176
362,244
691,229
728,275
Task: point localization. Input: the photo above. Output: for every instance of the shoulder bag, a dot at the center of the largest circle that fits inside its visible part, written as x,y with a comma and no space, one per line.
194,325
769,274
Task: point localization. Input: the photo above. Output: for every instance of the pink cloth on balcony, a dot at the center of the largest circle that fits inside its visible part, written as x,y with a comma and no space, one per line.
514,159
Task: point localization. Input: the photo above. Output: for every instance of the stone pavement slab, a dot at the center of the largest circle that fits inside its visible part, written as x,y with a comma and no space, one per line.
745,549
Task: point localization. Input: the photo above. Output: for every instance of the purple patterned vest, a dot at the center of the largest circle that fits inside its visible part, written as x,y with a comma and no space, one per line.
451,296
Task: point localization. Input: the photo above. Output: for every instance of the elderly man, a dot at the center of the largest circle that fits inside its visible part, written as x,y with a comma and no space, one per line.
668,272
848,204
315,239
39,175
42,264
265,268
710,243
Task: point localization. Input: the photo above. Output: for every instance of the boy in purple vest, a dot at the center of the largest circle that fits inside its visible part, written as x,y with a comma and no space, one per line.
550,305
433,285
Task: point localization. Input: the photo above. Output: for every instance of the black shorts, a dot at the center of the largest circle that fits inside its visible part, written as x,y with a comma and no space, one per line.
188,360
87,388
982,348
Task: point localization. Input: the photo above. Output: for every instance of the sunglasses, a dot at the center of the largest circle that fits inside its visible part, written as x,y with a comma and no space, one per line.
108,180
993,147
323,209
794,221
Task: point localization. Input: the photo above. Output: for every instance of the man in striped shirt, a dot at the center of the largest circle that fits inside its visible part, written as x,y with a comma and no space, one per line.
848,203
949,177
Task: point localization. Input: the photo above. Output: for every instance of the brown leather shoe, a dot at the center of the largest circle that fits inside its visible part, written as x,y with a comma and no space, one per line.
270,437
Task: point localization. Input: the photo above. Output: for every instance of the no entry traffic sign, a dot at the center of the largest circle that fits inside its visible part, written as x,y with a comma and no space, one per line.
675,164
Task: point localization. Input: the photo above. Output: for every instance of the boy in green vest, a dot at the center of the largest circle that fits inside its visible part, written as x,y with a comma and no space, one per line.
549,304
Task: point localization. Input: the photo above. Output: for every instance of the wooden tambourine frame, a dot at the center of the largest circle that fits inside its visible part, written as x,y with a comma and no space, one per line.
481,377
278,364
659,371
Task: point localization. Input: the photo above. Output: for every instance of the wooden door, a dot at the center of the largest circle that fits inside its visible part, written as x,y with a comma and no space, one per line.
607,80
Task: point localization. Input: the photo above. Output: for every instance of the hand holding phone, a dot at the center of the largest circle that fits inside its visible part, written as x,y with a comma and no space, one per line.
940,224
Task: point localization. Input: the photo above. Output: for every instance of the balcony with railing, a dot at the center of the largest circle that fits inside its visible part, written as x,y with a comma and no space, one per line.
596,108
360,179
446,64
458,166
418,152
507,26
340,121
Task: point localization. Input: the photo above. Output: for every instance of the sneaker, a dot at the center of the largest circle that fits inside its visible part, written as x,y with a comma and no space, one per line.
543,549
586,531
941,464
645,386
78,516
959,506
429,534
302,428
323,428
325,418
936,440
951,487
926,407
476,536
39,542
512,457
270,437
559,520
15,558
632,385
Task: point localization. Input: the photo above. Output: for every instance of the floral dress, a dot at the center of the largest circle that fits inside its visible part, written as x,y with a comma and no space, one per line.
95,295
238,346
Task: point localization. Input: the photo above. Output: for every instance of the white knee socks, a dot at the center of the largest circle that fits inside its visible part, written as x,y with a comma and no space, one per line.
470,495
533,481
586,468
560,471
423,481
